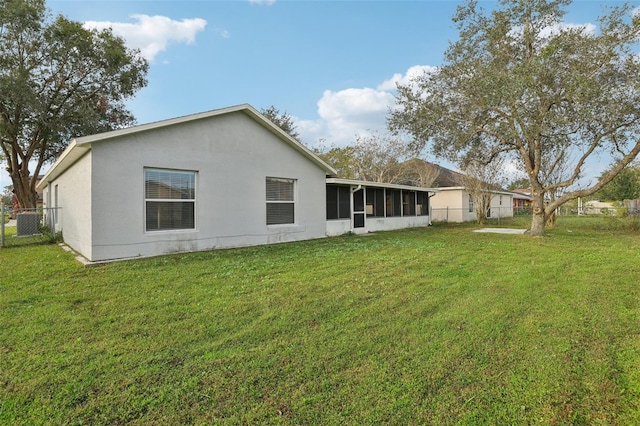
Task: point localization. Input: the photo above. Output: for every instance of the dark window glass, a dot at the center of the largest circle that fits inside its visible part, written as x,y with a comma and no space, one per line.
393,203
280,201
338,205
375,202
169,199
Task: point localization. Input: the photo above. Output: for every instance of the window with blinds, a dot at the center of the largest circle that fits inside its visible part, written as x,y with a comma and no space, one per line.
170,198
280,201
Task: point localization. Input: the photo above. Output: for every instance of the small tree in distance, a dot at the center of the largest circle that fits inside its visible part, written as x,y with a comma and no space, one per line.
480,181
282,120
378,158
625,186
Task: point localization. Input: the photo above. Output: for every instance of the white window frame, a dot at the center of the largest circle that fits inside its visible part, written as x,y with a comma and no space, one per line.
293,201
147,199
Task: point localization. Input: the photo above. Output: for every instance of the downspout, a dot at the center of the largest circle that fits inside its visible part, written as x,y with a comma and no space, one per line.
428,198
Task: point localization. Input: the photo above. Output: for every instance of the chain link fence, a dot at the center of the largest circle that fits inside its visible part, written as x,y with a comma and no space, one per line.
500,213
29,226
617,211
448,214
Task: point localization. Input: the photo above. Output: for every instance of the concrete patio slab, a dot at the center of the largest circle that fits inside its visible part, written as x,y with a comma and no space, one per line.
503,231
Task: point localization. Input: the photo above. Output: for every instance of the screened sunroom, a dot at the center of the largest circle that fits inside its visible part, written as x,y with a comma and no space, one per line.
360,207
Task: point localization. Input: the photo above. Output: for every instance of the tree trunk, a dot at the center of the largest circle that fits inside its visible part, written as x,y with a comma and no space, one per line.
551,219
482,217
538,220
22,188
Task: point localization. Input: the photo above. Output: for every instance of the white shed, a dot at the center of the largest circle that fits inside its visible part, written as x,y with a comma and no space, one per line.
223,178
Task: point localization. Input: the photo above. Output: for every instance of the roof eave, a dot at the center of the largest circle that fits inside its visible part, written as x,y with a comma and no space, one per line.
340,181
70,155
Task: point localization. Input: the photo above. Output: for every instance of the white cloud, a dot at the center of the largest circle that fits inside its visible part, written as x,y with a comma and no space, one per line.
267,2
587,29
352,112
223,33
346,114
152,34
413,72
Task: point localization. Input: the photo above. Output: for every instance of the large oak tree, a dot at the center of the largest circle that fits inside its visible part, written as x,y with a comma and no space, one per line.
521,85
58,80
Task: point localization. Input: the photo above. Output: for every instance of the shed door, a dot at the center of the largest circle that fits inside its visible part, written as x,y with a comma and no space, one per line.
358,209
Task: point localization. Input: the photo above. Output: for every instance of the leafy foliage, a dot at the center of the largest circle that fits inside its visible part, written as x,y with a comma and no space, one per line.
379,158
518,184
58,80
625,186
520,84
282,120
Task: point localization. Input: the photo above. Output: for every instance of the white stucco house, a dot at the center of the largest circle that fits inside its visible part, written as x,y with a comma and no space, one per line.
218,179
454,204
223,178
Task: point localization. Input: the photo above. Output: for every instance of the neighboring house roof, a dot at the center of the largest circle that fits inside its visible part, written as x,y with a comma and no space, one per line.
445,177
81,145
339,181
450,180
462,188
522,194
523,191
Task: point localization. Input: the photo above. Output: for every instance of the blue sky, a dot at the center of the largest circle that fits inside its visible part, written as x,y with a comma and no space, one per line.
331,65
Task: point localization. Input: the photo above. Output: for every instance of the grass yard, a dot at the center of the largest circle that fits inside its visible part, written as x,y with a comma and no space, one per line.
424,326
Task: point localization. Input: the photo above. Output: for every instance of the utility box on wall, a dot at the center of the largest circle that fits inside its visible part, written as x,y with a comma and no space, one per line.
27,224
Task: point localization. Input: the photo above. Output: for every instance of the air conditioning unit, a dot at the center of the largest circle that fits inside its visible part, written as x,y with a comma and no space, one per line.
27,224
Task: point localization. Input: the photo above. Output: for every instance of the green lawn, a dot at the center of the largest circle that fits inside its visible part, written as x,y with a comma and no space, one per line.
425,326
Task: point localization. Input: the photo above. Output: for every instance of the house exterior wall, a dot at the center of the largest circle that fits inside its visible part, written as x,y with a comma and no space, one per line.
451,205
73,205
232,156
337,227
501,206
374,224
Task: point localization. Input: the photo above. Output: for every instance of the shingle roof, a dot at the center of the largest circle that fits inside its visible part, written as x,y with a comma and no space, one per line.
446,177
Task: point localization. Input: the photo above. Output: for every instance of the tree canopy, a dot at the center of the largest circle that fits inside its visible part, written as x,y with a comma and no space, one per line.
379,158
521,85
282,120
58,80
625,186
